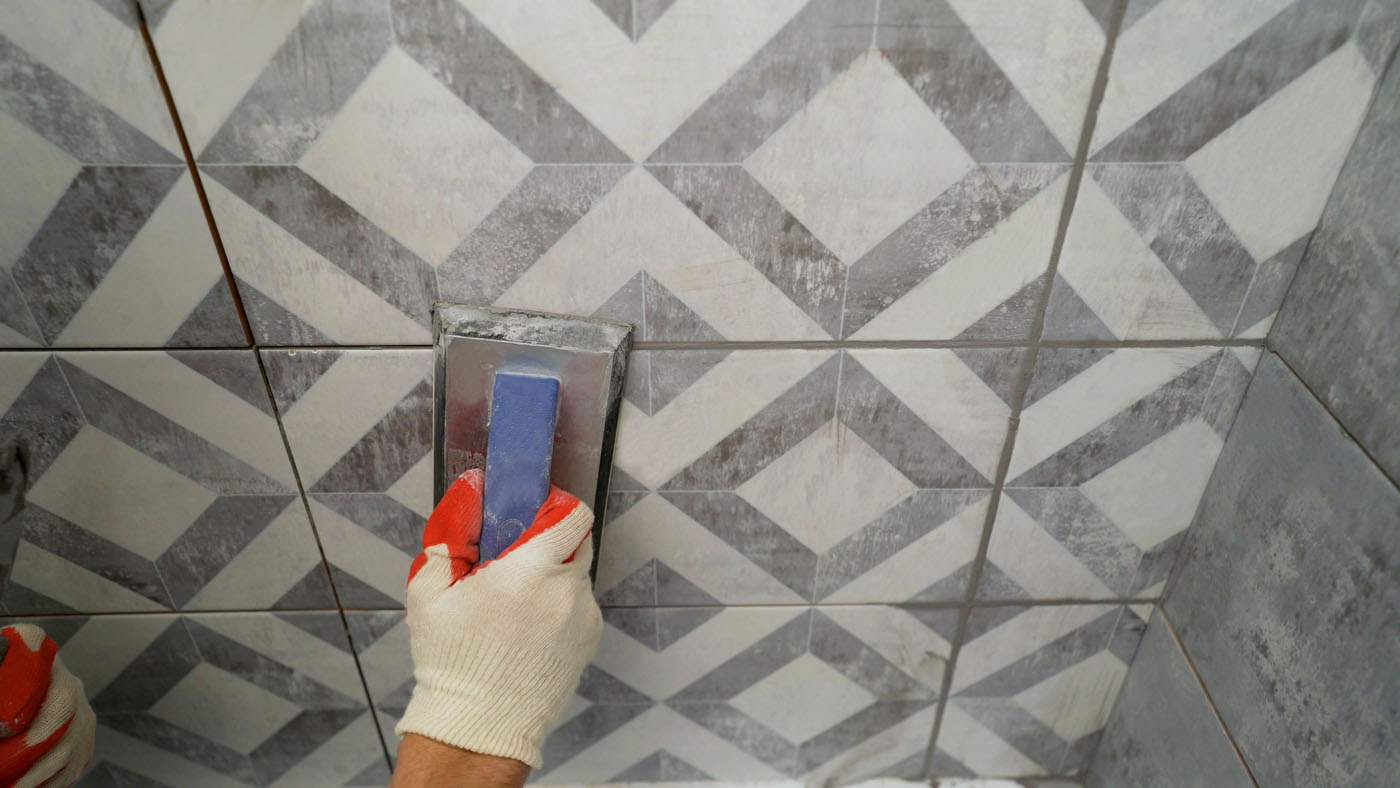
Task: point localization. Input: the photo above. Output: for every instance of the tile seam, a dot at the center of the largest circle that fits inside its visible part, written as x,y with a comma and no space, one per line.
1076,175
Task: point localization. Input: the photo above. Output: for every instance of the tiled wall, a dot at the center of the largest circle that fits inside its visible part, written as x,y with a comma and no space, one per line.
944,310
1271,660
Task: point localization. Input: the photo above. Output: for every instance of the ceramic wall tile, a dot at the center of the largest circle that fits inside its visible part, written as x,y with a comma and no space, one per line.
1285,597
700,693
1342,314
1162,733
222,699
157,480
103,242
360,426
1033,687
791,476
1113,452
795,112
1210,162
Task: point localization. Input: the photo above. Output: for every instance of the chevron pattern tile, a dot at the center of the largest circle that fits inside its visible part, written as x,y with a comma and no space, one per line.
158,480
1209,166
792,476
222,699
700,693
85,132
1033,688
1112,456
360,426
590,152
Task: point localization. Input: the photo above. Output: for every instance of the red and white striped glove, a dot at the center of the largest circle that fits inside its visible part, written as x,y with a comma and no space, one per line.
46,724
498,646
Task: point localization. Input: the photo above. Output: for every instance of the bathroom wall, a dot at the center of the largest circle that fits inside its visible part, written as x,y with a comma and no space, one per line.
1271,661
944,311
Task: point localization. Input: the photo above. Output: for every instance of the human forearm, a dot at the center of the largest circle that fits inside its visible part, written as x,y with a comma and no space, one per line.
424,762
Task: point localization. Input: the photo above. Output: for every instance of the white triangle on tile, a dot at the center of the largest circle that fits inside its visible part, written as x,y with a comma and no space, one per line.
860,159
1152,494
1118,275
1270,174
637,93
1165,49
1048,49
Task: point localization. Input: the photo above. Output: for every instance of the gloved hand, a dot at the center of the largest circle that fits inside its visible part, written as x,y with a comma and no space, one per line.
498,646
46,724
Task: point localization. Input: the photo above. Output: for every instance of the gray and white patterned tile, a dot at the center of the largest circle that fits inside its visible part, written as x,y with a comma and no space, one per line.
157,480
103,242
1162,715
360,426
1342,307
1211,161
743,479
1285,595
1113,453
689,693
1033,687
222,699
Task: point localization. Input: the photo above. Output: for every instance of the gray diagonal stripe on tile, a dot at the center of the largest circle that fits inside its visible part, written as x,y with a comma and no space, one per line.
816,45
212,322
1270,58
486,75
733,204
1014,725
929,44
854,659
14,313
758,538
100,213
214,539
318,67
273,322
388,450
1090,535
293,374
855,730
673,373
667,317
740,729
225,369
68,117
1011,318
647,12
336,231
661,766
91,552
522,228
674,623
750,666
46,413
138,426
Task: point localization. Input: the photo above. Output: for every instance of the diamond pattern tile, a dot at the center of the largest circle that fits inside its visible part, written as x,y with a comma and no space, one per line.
158,481
227,699
102,242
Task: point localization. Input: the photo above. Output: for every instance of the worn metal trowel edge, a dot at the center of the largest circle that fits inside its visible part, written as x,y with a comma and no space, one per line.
532,328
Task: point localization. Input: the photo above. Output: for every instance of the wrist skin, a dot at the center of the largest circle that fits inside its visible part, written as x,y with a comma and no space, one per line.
425,762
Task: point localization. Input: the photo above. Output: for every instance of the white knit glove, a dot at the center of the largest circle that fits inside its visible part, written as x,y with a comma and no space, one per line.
46,725
498,646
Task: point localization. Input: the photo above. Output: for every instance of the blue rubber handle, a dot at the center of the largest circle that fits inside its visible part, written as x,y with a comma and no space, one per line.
519,448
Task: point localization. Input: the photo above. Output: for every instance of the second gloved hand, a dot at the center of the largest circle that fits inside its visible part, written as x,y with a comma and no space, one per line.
498,646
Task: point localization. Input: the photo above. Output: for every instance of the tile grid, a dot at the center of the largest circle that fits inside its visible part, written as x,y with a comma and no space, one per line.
1076,175
232,284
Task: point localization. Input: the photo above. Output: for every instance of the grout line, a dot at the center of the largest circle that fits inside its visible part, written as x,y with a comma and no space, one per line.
1018,399
875,28
777,344
194,175
1210,701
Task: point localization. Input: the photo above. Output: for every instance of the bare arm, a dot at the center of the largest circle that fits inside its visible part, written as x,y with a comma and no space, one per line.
424,762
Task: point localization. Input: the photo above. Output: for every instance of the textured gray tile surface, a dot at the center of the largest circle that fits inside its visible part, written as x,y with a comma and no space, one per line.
1162,732
222,699
1341,322
157,480
1285,596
